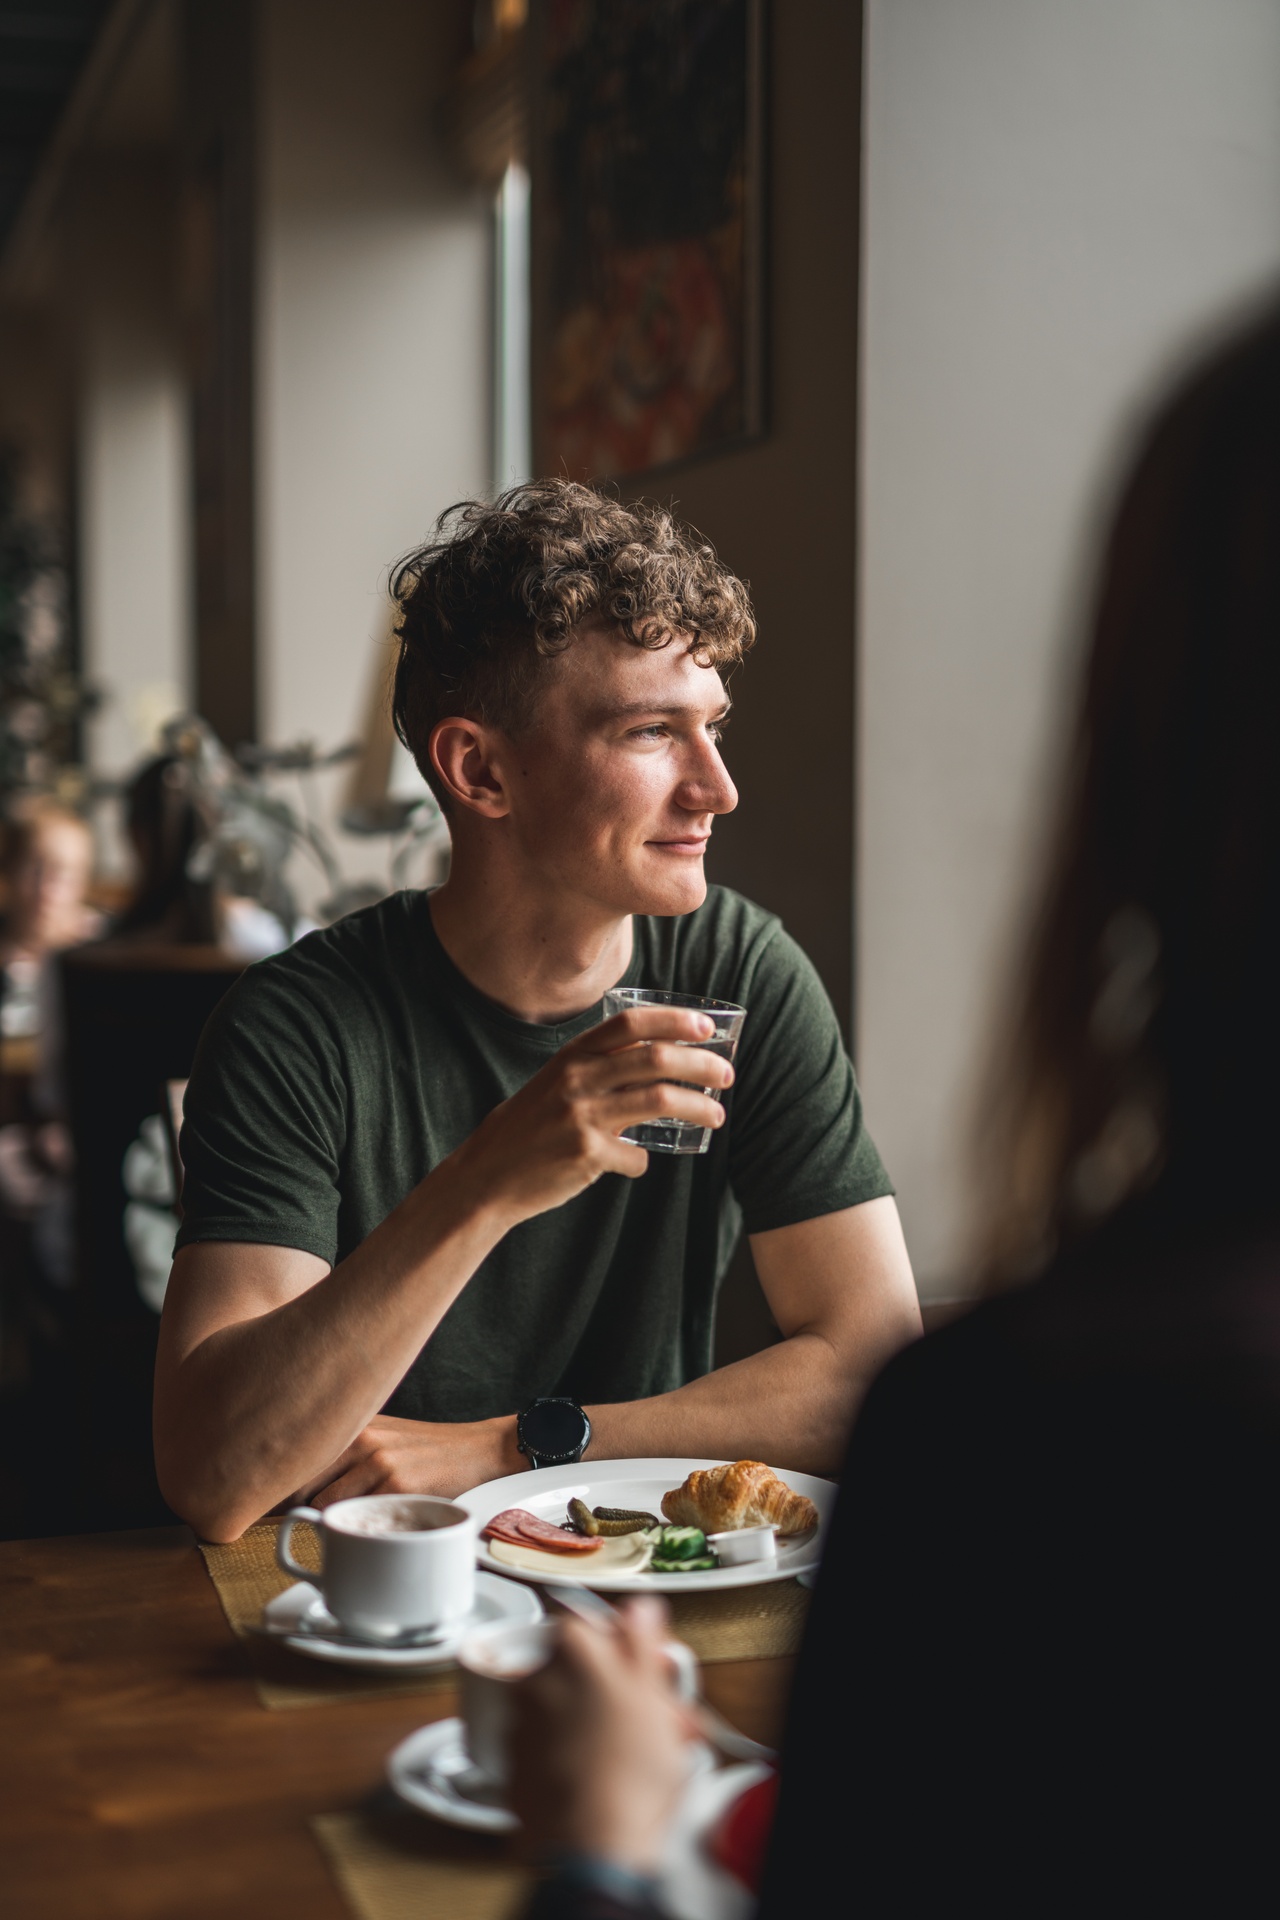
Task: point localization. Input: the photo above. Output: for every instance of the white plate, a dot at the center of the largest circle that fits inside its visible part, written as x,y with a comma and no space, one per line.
431,1771
495,1600
640,1484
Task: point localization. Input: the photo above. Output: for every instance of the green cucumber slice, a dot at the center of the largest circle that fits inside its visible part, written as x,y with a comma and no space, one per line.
681,1543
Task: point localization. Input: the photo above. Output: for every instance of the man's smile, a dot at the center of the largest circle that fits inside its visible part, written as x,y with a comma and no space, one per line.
691,844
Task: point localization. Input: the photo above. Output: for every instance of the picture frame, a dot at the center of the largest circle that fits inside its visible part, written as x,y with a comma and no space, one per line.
648,233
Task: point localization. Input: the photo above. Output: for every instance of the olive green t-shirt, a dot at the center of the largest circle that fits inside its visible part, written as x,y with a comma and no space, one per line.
334,1076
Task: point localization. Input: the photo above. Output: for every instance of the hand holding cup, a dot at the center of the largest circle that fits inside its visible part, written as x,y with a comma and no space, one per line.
597,1734
569,1124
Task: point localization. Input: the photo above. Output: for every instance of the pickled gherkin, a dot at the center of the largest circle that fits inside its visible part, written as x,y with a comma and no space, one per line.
608,1522
624,1520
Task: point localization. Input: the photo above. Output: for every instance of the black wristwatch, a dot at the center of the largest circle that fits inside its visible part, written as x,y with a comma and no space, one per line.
553,1433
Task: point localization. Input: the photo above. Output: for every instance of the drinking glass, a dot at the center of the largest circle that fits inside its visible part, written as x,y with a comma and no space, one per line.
680,1136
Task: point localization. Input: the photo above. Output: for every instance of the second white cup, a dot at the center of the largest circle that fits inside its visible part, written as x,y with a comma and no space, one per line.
493,1658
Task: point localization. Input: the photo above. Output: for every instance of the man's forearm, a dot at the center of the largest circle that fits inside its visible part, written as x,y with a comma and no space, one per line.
261,1407
791,1405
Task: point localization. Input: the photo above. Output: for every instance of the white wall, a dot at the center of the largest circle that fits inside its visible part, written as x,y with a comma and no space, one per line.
134,513
373,339
1059,199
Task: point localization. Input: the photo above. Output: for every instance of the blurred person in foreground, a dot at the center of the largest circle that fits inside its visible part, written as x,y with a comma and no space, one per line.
1040,1673
409,1217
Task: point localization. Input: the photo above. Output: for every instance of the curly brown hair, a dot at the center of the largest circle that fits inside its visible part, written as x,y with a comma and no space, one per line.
503,586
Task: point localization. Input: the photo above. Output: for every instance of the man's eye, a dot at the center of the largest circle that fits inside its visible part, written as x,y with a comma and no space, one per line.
649,733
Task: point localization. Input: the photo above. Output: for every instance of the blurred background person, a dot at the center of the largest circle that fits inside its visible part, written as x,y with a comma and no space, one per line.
182,897
46,863
1040,1666
164,825
46,866
191,843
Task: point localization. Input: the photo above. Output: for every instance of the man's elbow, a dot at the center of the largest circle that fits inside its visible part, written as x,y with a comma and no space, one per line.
219,1522
838,1388
209,1510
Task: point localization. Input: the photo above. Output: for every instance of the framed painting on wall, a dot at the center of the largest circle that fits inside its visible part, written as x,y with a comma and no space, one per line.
648,232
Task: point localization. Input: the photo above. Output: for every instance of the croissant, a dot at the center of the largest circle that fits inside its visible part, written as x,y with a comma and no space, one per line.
746,1494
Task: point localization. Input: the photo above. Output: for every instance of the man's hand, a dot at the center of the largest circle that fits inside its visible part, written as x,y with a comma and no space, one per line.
560,1132
417,1456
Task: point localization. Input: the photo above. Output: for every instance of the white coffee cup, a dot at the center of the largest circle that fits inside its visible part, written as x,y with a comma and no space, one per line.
390,1562
493,1658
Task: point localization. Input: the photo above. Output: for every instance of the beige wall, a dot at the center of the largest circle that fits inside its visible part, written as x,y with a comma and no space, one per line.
132,459
1058,199
373,339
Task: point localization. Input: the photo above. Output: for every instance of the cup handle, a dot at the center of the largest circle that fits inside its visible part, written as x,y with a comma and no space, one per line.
685,1662
283,1560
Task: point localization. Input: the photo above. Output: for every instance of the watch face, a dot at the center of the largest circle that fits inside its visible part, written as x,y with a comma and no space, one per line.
553,1427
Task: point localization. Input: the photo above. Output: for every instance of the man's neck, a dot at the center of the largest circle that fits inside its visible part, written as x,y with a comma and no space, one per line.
543,961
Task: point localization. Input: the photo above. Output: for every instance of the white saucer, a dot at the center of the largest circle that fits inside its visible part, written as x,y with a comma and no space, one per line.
432,1771
300,1606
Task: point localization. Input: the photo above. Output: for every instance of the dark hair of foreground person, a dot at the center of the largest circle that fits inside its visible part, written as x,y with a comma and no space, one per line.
1040,1670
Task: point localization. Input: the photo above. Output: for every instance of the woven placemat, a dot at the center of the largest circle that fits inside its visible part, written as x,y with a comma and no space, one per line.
746,1623
246,1576
398,1866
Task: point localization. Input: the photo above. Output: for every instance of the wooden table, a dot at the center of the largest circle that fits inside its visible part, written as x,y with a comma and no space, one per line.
139,1774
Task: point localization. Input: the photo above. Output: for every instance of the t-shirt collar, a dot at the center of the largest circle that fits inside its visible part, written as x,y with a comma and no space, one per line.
533,1033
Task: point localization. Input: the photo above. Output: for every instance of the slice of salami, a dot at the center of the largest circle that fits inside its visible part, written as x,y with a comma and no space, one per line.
512,1538
503,1527
540,1533
521,1529
503,1522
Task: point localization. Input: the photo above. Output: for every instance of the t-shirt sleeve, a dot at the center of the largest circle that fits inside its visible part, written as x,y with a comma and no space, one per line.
265,1120
798,1146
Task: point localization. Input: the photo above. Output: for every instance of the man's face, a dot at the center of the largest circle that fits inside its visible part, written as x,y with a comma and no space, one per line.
616,783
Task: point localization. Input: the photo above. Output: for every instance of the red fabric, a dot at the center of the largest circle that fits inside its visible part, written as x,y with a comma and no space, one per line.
740,1841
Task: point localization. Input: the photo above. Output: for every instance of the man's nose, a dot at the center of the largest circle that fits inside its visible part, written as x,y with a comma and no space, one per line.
708,788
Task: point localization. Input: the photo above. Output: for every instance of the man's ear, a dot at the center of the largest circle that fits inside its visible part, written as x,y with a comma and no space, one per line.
462,752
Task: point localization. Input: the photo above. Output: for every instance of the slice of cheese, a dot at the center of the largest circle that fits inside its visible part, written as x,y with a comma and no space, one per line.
628,1553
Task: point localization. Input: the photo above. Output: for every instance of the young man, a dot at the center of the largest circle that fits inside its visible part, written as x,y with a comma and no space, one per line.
409,1219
